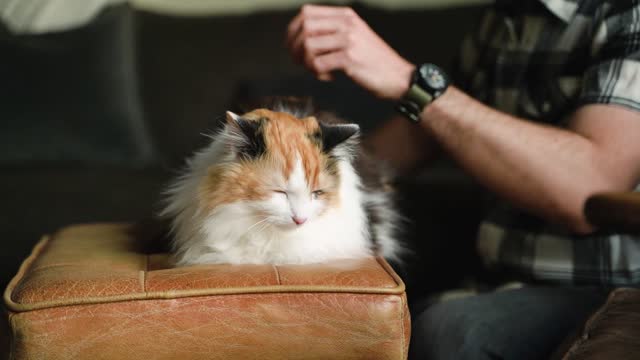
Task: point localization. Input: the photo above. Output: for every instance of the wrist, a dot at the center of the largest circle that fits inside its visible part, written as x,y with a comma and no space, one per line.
403,80
452,107
439,106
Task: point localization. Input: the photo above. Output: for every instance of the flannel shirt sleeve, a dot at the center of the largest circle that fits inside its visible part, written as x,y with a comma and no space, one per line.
614,76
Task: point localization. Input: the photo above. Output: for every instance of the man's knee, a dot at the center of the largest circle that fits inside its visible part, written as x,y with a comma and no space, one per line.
450,330
521,324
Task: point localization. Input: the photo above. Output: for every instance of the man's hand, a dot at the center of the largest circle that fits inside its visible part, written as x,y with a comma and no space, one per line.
328,38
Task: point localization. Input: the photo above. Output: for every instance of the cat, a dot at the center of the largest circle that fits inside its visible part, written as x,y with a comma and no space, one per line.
281,185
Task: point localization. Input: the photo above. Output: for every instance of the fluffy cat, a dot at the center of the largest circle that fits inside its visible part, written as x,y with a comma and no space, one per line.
281,186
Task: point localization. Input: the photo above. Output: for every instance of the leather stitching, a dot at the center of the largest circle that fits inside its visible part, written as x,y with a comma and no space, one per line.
143,273
12,335
26,264
402,316
399,289
277,274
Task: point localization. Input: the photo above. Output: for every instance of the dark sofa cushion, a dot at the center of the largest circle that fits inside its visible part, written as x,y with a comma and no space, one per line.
73,95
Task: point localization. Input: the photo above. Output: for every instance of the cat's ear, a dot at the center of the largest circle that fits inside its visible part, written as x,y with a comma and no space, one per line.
334,135
232,117
247,138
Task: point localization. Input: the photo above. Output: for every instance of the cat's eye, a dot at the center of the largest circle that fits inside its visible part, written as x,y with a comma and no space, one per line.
317,193
280,192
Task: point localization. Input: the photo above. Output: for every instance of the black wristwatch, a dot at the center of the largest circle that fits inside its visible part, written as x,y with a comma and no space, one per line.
428,82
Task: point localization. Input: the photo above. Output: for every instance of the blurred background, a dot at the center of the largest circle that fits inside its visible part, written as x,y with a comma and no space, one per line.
101,100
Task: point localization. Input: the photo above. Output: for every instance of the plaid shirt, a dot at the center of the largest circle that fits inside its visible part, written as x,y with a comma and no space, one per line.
541,59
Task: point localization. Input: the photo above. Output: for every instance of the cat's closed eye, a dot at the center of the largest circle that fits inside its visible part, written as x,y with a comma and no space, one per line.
282,192
317,193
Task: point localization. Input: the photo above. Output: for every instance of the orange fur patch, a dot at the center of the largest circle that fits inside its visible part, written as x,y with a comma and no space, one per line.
286,138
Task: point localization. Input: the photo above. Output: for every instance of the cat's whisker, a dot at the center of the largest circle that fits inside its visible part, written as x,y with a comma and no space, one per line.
257,223
264,226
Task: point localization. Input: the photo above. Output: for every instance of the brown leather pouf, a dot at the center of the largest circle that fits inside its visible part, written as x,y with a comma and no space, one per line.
86,293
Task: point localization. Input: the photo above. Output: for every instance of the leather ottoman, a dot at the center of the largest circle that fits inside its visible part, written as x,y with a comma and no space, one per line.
87,293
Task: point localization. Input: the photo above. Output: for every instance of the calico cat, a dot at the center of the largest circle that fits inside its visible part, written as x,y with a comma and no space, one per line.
284,185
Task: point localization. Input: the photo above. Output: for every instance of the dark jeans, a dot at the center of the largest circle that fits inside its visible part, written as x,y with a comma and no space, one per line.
527,323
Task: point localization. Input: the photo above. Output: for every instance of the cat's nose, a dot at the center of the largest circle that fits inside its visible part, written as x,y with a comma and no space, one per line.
299,220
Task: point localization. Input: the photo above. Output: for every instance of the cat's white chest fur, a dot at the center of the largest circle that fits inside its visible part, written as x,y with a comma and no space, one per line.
231,236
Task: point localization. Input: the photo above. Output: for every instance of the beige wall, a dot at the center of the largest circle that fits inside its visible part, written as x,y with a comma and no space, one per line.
37,16
208,7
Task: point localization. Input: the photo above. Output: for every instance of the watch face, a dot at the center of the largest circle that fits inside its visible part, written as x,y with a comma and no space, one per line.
433,76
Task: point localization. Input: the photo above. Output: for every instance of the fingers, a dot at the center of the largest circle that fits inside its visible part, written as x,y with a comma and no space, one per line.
325,10
311,12
325,77
321,45
323,65
314,20
313,29
318,11
294,28
325,43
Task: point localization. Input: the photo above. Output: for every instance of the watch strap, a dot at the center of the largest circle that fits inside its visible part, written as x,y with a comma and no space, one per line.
413,101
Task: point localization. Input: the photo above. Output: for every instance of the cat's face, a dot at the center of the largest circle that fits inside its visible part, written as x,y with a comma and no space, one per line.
282,171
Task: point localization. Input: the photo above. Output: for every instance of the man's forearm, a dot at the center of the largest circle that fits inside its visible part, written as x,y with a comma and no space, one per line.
548,170
398,143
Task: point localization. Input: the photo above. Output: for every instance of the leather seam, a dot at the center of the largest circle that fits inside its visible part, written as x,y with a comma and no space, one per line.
12,335
277,274
26,264
175,294
46,267
402,316
389,270
144,274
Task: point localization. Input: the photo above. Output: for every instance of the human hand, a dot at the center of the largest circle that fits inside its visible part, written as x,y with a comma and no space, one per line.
330,38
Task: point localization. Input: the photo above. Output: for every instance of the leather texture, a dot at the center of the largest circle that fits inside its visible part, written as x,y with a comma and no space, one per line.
613,332
87,292
619,212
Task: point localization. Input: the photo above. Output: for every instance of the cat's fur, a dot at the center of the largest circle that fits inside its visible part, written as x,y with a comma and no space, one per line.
240,198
